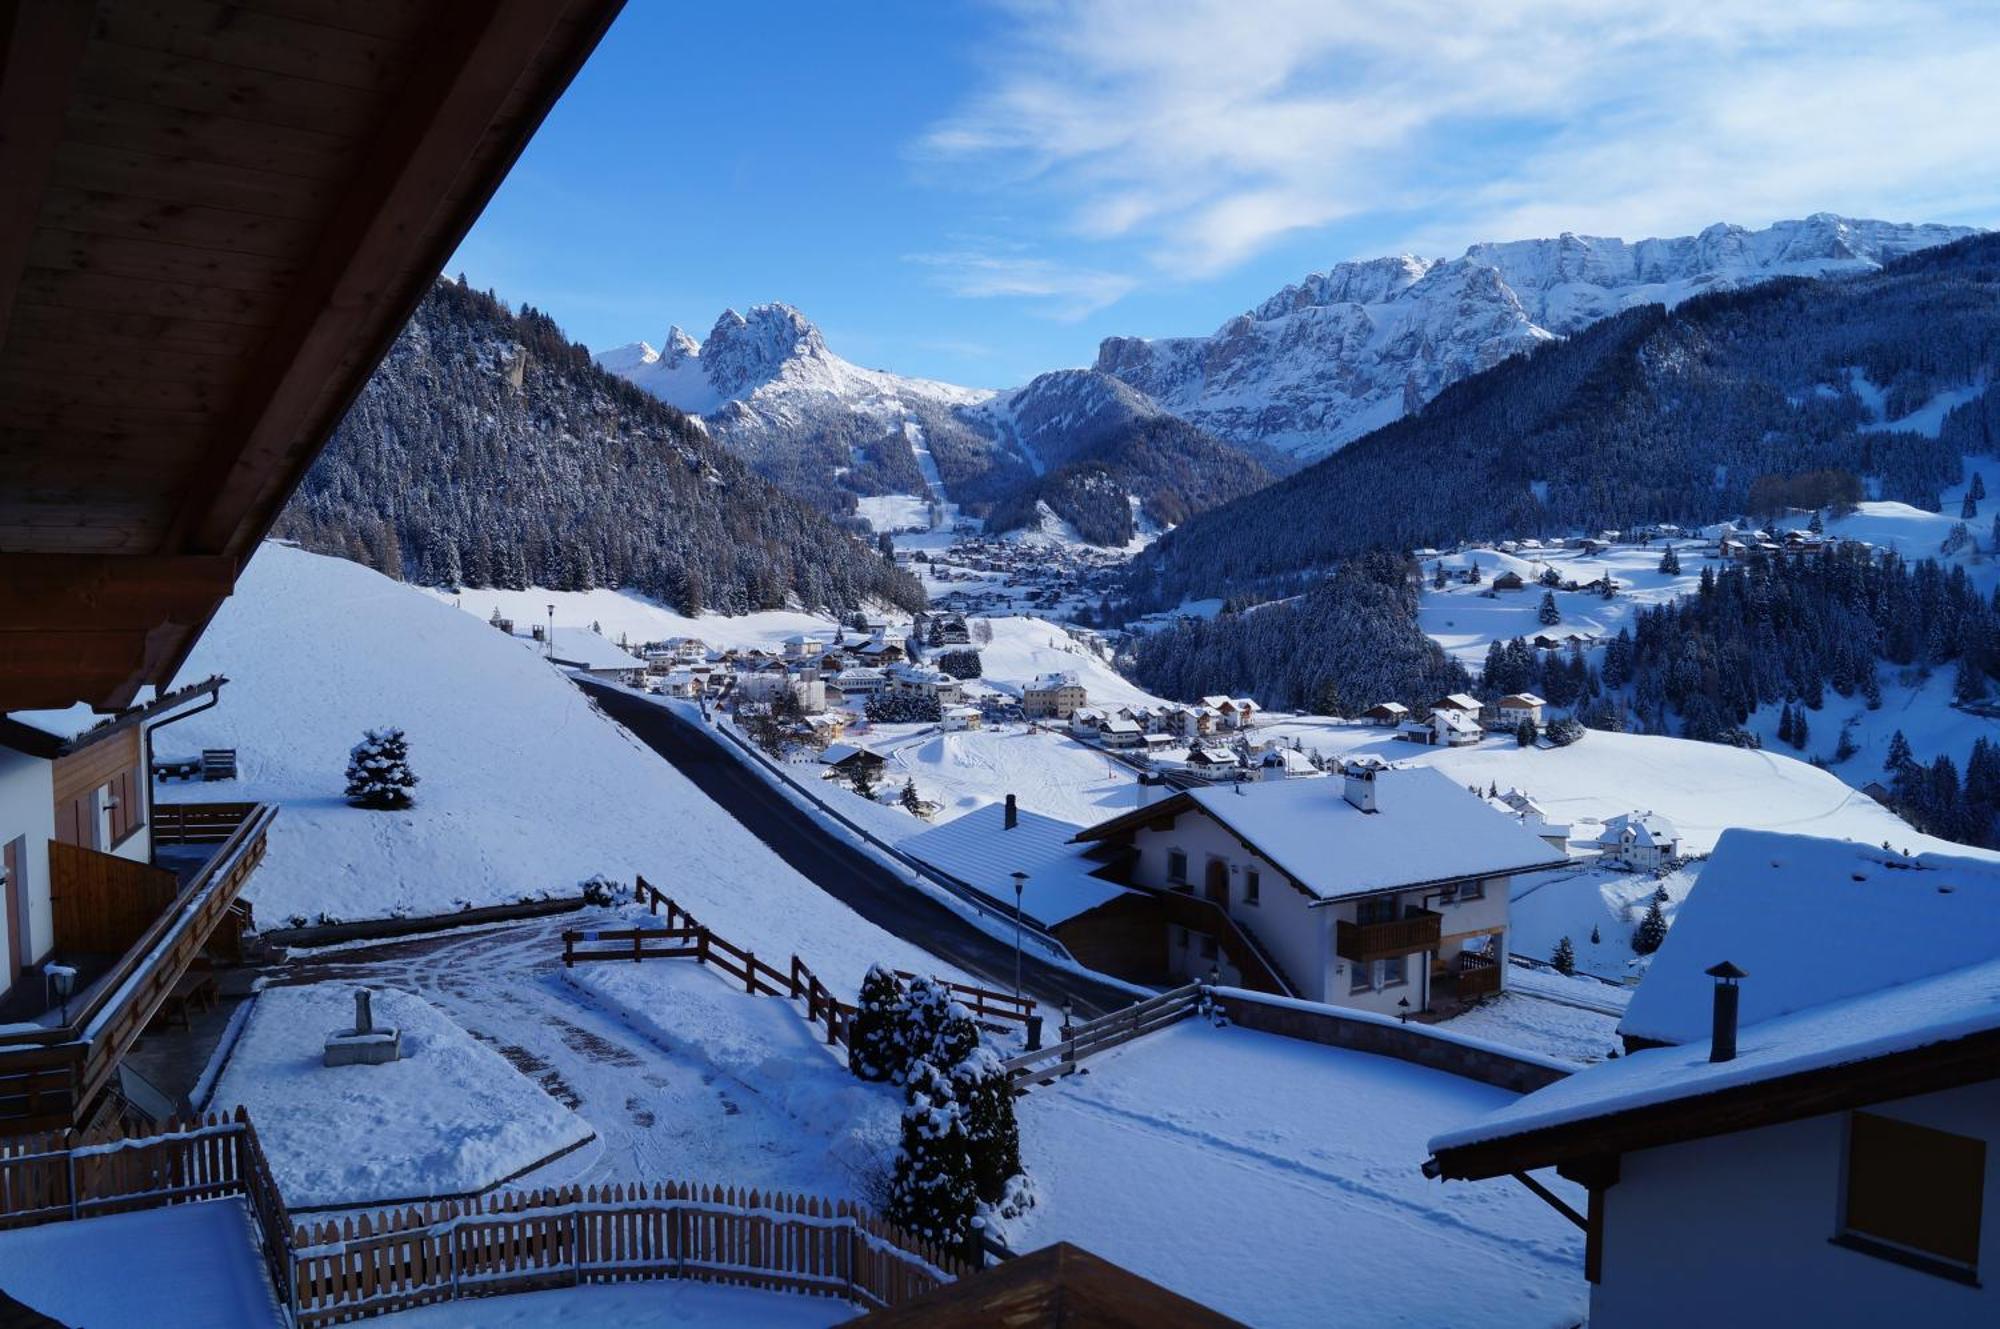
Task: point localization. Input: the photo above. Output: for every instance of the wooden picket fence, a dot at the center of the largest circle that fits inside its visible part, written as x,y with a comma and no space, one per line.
685,937
1083,1041
561,1238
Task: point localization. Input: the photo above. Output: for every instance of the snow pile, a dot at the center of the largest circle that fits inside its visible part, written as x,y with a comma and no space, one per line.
1277,1181
1047,773
452,1117
680,1303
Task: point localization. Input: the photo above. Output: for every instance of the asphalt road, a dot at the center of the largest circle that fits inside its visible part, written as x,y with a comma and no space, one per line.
841,870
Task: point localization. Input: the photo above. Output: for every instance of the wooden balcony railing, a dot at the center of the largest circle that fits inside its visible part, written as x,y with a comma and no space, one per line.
49,1075
198,823
1362,942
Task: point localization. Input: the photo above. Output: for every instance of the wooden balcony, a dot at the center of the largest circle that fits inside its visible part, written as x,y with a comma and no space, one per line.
157,925
1362,942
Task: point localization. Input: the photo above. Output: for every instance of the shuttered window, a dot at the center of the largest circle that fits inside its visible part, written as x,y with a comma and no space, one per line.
1914,1192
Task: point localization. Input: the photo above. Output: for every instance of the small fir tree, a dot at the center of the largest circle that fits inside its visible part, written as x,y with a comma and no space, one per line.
1801,731
1564,960
1652,930
1549,614
863,780
912,802
1670,562
378,771
931,1193
1899,753
1524,733
1550,577
875,1049
1596,938
992,1135
927,1005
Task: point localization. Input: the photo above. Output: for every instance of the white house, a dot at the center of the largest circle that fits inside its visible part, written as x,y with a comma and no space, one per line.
803,646
859,681
1640,840
588,652
1536,818
1121,733
923,681
1444,728
680,683
1383,887
1518,706
1808,1129
962,717
1463,703
1232,712
1286,764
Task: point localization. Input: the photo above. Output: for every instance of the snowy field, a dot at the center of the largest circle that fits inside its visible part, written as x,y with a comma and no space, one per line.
1520,1018
1049,773
1703,788
1465,620
1278,1182
451,1118
633,616
669,1304
526,788
1569,902
192,1266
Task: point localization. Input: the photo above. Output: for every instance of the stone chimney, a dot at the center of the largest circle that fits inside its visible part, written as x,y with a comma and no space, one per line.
1013,814
1149,786
1722,1035
1358,780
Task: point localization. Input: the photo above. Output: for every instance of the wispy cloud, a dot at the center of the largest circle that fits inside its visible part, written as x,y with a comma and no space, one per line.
1199,132
1060,290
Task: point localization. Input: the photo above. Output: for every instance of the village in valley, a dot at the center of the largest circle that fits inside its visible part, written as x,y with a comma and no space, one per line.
710,886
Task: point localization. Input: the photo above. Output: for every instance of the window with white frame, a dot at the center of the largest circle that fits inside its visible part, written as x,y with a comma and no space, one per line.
1177,867
1360,975
1253,886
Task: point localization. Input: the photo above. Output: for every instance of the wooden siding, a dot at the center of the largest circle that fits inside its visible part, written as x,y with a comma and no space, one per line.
104,903
95,765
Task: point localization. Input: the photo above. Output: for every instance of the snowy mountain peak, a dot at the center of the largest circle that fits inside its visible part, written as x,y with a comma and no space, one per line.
1347,350
679,346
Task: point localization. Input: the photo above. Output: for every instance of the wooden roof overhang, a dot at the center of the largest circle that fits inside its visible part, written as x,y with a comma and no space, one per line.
1057,1287
1575,1145
216,218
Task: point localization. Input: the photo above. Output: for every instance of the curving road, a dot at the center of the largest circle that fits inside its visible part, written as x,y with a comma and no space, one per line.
838,868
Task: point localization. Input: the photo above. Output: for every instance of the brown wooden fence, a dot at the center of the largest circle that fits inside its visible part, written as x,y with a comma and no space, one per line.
521,1242
1080,1042
101,902
197,823
685,937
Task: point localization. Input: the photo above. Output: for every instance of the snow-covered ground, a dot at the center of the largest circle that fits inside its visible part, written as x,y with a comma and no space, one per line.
1278,1182
634,617
1049,773
192,1266
451,1118
1521,1018
1570,902
679,1303
1466,619
526,788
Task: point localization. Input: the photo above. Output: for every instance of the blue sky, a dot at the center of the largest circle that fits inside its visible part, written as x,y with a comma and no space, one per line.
979,192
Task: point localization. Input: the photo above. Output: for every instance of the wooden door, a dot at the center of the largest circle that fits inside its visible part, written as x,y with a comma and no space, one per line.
1217,885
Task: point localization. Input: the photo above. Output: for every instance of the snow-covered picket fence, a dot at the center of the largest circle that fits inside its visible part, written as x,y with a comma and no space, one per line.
573,1235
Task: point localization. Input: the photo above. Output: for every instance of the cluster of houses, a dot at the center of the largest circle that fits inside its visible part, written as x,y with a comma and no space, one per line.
1459,719
991,574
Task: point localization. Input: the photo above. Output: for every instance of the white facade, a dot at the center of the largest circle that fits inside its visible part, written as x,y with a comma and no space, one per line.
1739,1229
27,824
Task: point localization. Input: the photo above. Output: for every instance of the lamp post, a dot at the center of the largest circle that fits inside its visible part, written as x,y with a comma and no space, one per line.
549,637
1020,886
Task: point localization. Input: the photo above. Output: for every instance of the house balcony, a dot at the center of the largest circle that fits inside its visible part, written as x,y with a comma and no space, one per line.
1362,942
132,932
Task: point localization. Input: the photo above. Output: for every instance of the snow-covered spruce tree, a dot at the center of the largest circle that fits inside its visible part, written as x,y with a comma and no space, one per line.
1548,613
912,801
1899,753
1564,960
1652,930
926,1008
1524,733
992,1135
378,771
1596,937
875,1049
957,1037
1670,562
931,1193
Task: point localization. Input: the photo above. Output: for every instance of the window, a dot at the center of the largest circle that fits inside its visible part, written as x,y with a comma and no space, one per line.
1176,867
1913,1195
1360,976
1252,885
1472,890
1395,970
1376,909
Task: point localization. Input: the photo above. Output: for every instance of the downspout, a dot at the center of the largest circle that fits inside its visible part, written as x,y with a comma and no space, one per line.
214,698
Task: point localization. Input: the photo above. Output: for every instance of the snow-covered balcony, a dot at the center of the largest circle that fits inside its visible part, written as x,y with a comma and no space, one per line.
127,935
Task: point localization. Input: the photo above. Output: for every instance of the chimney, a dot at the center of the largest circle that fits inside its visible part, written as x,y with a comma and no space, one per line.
1358,777
1013,814
1722,1039
1148,782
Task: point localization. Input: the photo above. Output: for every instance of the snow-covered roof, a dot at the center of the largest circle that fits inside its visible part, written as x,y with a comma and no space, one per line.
858,674
1389,708
1426,828
1813,920
1457,701
1944,1006
1050,682
980,851
1121,727
1290,761
1456,721
803,639
580,648
1646,830
1522,699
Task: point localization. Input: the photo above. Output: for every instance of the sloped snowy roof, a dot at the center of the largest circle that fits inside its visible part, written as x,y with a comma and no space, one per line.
980,851
1648,830
1934,1009
1426,828
1457,701
580,648
1813,920
1050,682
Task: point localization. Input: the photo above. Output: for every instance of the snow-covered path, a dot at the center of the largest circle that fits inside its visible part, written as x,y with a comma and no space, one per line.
660,1112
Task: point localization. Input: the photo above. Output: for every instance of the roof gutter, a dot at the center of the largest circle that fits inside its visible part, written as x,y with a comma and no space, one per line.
1436,882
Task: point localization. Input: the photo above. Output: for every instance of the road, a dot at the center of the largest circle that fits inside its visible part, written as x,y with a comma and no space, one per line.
837,867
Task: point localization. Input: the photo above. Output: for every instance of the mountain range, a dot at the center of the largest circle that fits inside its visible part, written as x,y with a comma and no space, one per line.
1158,431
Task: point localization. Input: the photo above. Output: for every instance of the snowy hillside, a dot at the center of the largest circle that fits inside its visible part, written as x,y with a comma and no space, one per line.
526,789
1348,350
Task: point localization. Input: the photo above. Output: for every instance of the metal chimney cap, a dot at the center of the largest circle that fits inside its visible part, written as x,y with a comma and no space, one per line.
1725,970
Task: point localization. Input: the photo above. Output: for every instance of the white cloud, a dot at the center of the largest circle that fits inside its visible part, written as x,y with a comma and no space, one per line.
1198,132
1064,292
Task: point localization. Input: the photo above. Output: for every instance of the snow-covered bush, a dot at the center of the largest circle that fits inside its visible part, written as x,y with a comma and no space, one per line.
931,1193
1563,732
985,1093
875,1049
378,771
601,891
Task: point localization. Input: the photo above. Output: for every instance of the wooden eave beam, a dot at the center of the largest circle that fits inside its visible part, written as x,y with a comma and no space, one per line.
41,47
109,592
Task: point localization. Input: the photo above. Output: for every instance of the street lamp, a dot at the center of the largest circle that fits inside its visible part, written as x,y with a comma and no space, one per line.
549,637
1020,885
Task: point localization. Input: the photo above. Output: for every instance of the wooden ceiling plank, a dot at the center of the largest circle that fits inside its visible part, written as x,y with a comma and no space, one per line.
83,386
132,333
153,260
214,370
392,20
129,174
206,136
231,35
104,293
68,592
189,83
89,213
41,47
